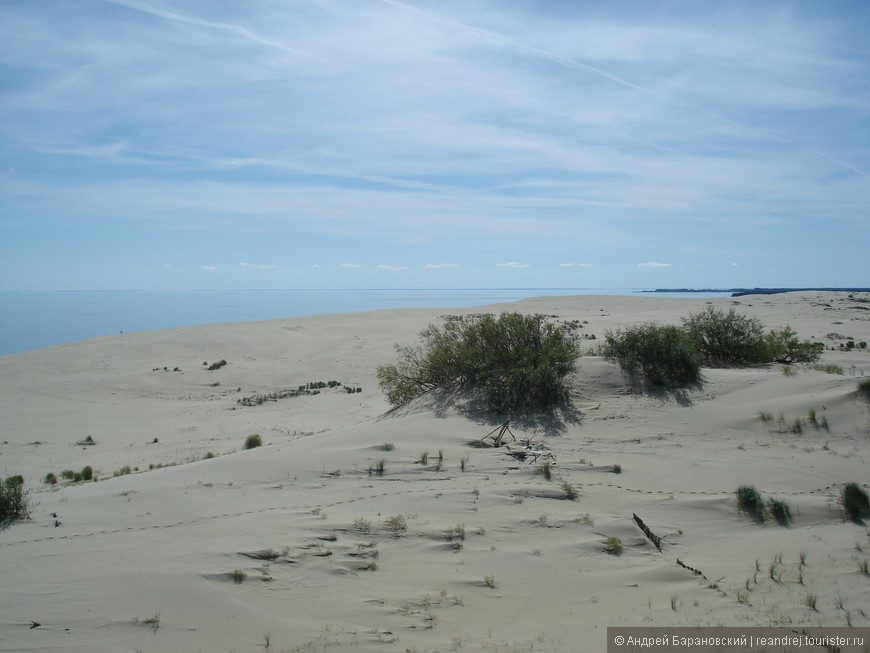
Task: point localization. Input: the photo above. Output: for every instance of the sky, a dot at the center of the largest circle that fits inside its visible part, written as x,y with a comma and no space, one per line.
217,144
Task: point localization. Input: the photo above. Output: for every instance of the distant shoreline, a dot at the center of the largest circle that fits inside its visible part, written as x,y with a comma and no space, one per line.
739,292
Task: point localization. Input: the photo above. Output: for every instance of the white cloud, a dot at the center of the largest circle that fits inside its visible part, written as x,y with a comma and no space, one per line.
391,268
256,266
209,268
654,264
735,265
575,265
439,266
351,266
513,264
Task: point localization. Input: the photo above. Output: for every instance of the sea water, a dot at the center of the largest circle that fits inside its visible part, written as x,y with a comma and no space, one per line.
29,320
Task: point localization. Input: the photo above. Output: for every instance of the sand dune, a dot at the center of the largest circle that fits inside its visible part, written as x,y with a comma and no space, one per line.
296,546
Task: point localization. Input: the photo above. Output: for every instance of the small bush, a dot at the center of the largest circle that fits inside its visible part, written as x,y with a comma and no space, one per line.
87,473
253,441
545,469
515,361
613,546
239,576
855,501
864,389
569,490
784,347
727,338
749,501
489,581
397,525
780,510
50,479
14,499
68,474
662,355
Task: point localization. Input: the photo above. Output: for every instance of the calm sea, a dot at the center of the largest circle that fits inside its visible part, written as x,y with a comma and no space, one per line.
29,320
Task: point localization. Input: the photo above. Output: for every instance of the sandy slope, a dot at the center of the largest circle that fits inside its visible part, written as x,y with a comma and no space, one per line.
164,543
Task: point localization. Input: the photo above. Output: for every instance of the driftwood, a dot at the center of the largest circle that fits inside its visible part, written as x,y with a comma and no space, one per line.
528,452
652,537
497,438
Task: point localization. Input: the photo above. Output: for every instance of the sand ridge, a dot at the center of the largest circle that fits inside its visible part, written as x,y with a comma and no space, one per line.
295,545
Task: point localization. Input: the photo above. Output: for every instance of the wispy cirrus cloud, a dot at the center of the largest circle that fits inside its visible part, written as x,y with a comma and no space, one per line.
257,266
350,266
654,264
458,130
391,268
512,264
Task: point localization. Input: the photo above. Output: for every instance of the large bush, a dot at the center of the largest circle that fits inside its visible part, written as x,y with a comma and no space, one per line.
727,338
663,355
515,361
14,499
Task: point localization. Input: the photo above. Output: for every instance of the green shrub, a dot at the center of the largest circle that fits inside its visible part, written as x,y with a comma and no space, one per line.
784,347
749,501
516,362
855,501
864,389
780,510
662,355
727,338
50,479
613,546
87,473
14,499
253,441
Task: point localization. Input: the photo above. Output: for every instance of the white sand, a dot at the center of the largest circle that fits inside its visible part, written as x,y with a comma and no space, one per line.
165,542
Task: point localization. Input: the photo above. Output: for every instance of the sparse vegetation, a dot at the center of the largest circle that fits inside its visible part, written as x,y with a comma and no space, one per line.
545,469
864,389
307,389
238,576
397,525
50,479
569,490
362,525
253,441
489,581
514,361
216,366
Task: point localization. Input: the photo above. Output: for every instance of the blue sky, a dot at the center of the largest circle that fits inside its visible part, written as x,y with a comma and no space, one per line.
178,144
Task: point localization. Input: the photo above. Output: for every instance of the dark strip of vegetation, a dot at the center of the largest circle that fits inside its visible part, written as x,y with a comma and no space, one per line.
311,388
